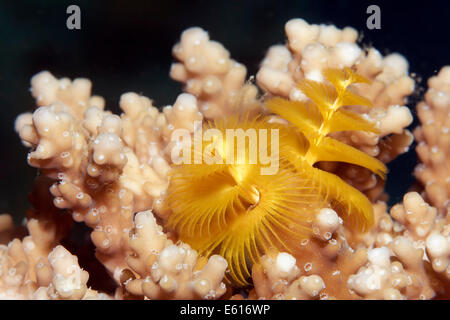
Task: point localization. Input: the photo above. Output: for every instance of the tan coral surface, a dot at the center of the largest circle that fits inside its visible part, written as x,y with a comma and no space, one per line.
433,138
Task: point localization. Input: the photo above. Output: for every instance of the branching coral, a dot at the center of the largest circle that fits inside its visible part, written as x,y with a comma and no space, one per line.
106,167
206,70
326,257
33,269
395,265
434,140
282,233
68,280
168,270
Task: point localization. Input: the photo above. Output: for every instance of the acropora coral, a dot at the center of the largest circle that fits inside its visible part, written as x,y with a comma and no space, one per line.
318,227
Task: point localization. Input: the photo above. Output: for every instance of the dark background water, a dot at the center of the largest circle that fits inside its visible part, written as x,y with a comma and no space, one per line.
126,46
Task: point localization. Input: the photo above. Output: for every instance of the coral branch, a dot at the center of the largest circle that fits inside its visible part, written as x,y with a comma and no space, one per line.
433,139
170,271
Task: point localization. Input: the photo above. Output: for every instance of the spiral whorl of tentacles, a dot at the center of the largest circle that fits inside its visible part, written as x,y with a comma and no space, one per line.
235,210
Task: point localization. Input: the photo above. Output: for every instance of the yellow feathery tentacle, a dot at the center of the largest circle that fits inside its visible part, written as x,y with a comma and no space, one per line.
305,115
329,149
287,201
342,78
322,94
354,205
318,117
233,209
345,120
236,211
